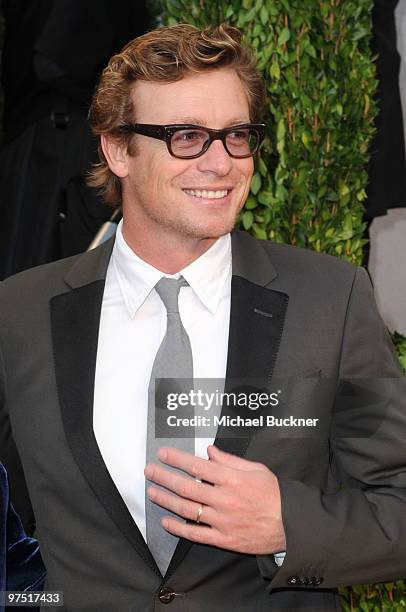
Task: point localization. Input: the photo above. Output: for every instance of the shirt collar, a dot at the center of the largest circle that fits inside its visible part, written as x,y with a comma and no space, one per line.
207,275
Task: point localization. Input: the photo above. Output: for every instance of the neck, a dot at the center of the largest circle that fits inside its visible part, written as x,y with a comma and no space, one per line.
168,253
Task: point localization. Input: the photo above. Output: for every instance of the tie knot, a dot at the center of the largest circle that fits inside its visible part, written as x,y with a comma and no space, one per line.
168,290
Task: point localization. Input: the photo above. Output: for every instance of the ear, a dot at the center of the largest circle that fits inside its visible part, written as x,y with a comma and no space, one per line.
116,155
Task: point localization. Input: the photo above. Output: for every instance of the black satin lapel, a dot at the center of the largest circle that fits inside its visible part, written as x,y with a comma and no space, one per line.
75,318
256,324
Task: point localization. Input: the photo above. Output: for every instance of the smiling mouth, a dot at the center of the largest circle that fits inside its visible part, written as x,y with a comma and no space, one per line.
210,194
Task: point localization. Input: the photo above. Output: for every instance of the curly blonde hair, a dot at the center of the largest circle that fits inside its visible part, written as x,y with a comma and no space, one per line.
164,55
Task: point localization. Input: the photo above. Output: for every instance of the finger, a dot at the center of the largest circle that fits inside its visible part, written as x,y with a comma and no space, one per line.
182,507
228,460
195,466
195,533
181,485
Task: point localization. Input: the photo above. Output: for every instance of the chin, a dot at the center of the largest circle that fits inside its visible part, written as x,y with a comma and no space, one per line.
213,229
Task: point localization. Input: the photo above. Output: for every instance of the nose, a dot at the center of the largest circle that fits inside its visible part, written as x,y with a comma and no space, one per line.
215,160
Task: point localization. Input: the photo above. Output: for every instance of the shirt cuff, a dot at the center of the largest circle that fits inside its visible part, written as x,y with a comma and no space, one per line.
279,558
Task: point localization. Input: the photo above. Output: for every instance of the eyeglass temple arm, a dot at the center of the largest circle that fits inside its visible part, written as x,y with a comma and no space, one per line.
156,131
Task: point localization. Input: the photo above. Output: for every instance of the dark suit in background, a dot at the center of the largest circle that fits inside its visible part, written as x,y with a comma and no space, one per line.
53,54
387,168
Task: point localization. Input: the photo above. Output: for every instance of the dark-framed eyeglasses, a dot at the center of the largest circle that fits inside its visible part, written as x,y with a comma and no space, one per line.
187,141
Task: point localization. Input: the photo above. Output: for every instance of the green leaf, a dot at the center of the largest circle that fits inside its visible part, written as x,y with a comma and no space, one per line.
264,15
259,232
280,130
266,198
367,104
229,12
361,195
286,5
343,188
306,140
256,183
360,33
364,606
345,234
251,203
251,15
247,219
281,193
257,27
310,50
275,70
283,37
347,224
267,216
262,167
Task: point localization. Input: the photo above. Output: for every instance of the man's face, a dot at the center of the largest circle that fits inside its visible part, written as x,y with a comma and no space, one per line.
163,196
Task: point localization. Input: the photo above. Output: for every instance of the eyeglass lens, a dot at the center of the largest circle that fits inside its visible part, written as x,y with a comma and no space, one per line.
239,143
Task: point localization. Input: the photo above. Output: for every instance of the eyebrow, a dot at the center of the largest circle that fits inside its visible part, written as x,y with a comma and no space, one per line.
202,122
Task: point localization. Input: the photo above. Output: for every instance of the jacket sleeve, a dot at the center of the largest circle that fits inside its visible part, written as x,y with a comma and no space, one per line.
21,567
24,566
356,531
10,458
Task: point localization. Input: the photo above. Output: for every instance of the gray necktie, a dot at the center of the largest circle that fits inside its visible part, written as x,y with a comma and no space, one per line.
173,360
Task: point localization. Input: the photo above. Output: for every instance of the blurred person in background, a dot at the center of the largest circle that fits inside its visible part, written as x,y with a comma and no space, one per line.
53,53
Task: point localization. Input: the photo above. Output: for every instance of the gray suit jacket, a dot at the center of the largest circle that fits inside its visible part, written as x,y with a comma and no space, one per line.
293,313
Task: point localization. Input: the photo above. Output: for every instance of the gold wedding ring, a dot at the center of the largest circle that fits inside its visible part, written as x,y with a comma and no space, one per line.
199,513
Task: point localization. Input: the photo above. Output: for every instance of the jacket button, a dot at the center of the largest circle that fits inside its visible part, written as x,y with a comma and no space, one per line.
316,580
294,581
166,595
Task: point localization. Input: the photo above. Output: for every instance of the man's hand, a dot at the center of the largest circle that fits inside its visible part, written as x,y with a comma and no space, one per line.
238,504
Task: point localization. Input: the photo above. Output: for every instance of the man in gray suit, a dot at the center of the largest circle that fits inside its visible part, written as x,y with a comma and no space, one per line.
274,520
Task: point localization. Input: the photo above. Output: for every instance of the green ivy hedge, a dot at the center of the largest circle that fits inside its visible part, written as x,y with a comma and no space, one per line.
309,185
310,180
400,345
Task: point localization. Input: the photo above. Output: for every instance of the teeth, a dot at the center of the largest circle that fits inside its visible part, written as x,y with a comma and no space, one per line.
213,195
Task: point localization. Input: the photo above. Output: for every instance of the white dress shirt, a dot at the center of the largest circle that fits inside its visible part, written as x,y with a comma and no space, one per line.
132,326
